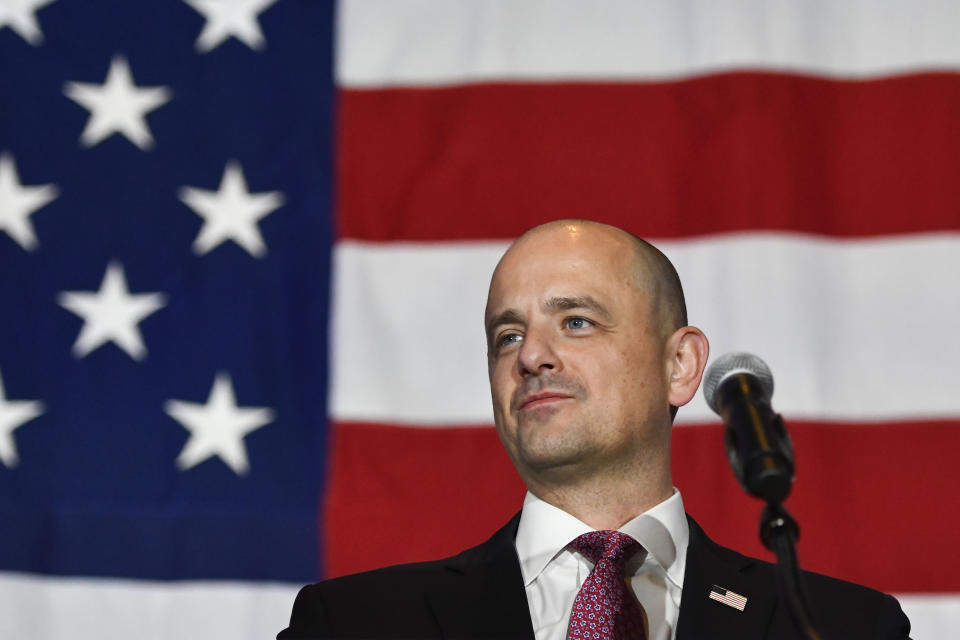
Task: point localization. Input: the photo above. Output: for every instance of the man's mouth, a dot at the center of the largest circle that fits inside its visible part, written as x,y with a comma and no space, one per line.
543,398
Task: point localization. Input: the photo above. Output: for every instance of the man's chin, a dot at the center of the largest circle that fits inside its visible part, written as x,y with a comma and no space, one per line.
553,459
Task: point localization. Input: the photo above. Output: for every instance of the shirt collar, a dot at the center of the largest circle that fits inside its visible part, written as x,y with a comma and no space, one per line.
545,531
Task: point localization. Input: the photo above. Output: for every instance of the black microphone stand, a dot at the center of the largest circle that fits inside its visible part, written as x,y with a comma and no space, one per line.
779,532
761,455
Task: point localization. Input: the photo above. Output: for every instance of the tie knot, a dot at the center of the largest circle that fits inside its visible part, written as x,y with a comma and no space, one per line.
607,544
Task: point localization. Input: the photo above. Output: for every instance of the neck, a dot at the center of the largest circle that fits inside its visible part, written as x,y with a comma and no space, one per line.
606,503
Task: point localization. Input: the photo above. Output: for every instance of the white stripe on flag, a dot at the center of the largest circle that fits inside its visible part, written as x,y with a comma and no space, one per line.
853,330
396,42
931,615
415,313
64,608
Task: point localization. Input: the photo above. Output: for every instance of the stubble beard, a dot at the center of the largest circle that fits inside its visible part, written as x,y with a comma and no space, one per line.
553,449
559,451
547,440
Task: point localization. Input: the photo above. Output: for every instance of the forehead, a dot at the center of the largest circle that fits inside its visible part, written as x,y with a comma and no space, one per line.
567,261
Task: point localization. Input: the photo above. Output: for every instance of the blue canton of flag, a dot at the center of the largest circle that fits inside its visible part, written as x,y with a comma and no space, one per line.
165,173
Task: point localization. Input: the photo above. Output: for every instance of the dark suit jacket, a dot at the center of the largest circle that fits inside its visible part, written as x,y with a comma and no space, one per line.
480,594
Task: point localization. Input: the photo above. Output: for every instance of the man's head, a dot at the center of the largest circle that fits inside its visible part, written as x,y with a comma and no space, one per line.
588,353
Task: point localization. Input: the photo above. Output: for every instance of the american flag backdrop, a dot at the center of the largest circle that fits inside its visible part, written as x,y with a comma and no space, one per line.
245,246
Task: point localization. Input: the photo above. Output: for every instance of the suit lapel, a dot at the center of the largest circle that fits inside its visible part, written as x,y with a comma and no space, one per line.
484,596
709,565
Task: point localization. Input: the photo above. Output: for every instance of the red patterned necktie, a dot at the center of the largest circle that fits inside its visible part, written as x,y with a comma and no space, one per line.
605,609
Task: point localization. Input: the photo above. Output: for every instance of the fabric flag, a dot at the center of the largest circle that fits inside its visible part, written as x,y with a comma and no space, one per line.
797,162
190,190
164,243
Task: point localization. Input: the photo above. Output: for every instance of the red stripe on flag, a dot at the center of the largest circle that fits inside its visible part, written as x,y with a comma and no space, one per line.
868,498
401,494
731,152
864,494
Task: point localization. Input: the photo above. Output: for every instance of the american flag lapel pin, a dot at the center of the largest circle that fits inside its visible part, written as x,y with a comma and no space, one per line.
728,597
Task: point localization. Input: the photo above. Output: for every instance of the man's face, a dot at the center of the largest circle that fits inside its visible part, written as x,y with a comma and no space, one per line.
576,360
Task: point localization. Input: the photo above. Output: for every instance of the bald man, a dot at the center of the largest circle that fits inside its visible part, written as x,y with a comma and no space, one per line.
589,357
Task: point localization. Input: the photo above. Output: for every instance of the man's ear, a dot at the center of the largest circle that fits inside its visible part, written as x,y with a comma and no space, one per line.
687,352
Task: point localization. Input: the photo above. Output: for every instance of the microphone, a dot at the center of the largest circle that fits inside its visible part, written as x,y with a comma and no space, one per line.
738,387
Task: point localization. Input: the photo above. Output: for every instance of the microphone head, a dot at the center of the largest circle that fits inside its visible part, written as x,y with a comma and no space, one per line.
731,364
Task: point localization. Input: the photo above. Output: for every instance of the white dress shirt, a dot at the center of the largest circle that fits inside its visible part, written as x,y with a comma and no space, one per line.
553,574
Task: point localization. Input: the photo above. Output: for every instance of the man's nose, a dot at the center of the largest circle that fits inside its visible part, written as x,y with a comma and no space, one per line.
537,353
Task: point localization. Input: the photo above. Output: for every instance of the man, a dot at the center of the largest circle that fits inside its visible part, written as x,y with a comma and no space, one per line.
589,357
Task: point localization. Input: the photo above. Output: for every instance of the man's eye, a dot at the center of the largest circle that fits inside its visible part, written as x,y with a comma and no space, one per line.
507,339
577,323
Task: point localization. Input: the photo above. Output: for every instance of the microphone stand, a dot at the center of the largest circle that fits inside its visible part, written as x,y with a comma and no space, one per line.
779,532
738,388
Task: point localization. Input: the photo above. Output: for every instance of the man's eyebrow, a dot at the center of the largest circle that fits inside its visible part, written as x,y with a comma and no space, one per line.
509,316
568,303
